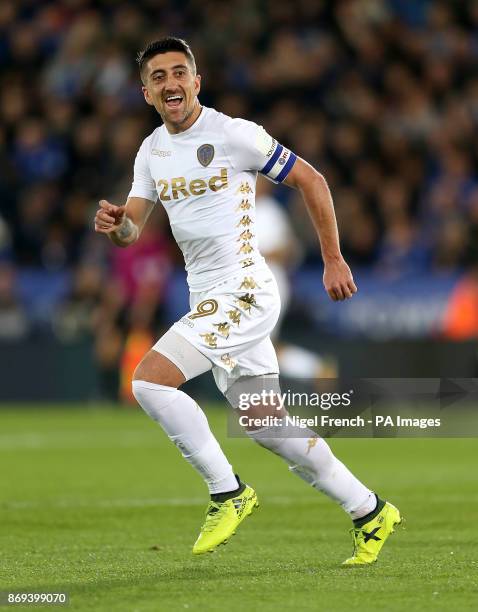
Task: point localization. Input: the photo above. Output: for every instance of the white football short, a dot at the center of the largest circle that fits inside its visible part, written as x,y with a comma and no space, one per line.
230,325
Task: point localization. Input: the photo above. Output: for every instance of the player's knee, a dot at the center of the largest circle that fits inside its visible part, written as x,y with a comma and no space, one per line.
139,389
267,438
142,372
157,369
154,398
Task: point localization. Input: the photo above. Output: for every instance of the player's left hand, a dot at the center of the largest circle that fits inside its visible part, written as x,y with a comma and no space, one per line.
338,280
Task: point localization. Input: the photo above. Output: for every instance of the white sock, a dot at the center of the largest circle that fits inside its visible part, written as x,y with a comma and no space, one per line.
186,425
313,461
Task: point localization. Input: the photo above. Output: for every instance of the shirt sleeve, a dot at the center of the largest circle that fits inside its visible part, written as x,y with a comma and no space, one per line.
252,148
143,184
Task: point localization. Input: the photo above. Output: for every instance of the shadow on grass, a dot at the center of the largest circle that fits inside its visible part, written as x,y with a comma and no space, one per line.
190,572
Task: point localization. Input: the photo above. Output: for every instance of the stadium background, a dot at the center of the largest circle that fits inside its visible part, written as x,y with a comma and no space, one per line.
382,97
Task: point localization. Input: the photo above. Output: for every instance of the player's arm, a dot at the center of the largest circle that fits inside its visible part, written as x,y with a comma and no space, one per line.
338,280
252,148
123,224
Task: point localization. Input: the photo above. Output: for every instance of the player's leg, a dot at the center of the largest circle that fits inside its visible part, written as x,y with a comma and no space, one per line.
172,361
307,455
155,383
311,458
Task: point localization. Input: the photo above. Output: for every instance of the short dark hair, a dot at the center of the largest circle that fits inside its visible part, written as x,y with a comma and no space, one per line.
164,45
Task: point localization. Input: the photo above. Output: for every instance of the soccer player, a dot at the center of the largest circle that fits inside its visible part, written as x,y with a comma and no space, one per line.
202,166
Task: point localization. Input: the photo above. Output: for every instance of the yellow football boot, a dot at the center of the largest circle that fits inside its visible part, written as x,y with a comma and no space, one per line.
369,537
222,520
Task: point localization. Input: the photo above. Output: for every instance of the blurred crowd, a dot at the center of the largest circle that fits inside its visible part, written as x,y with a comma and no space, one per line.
380,95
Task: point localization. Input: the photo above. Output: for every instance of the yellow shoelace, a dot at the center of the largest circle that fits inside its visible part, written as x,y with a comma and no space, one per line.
355,538
214,513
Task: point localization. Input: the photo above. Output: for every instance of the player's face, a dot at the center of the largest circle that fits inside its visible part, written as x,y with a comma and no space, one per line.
171,87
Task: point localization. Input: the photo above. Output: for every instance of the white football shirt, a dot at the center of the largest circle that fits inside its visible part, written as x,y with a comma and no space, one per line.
205,177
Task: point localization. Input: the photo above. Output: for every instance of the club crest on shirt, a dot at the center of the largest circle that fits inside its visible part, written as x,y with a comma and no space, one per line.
205,154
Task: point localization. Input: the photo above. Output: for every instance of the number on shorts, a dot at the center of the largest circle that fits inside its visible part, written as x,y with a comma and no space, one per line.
204,309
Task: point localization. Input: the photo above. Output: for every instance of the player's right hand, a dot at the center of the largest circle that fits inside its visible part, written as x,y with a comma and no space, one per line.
108,217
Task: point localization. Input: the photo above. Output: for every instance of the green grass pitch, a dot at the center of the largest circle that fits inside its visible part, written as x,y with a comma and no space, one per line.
97,502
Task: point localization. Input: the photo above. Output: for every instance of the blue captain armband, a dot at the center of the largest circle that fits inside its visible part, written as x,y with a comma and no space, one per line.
279,164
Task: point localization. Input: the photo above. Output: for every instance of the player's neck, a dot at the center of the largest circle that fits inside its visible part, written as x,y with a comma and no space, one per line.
174,128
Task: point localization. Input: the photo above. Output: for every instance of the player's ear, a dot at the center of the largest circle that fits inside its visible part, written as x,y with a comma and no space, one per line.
146,95
197,84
